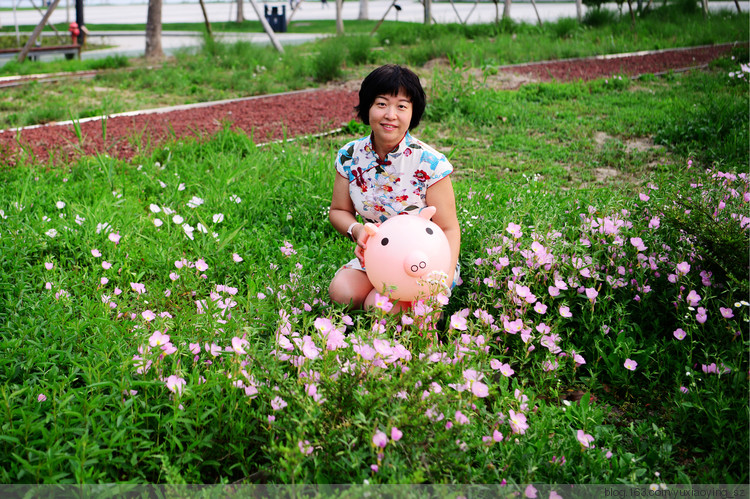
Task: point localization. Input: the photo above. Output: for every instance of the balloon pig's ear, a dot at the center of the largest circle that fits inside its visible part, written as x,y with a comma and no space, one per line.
427,212
371,229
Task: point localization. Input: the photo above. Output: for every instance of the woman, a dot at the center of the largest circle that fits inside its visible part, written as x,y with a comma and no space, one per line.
387,173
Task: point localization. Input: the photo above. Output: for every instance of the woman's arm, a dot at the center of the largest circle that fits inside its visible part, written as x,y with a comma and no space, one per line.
342,213
441,196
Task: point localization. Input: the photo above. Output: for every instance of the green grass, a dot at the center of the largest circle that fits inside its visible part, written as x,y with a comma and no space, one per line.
529,157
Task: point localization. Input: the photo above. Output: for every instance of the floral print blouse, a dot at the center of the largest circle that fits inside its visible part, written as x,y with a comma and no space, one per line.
381,188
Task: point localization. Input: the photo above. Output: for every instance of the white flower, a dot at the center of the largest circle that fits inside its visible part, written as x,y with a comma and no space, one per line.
51,233
195,202
60,205
158,222
218,218
154,208
178,219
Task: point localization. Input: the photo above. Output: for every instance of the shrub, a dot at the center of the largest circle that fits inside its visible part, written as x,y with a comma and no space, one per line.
327,62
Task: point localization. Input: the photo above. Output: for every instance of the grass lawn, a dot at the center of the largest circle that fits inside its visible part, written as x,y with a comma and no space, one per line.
166,320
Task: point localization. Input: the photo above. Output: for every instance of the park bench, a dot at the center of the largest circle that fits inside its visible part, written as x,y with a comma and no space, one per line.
68,50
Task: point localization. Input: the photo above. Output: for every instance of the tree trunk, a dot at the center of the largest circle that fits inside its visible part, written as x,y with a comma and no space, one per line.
153,30
579,10
339,17
364,13
205,19
427,11
240,12
506,9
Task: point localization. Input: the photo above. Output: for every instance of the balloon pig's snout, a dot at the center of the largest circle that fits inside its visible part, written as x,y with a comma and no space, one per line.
415,264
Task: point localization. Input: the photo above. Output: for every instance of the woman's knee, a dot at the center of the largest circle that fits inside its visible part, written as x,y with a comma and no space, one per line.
349,287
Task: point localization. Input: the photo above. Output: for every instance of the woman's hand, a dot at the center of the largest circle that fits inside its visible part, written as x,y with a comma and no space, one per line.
360,236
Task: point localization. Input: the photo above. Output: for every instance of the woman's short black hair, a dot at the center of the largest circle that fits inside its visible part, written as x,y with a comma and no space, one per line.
388,80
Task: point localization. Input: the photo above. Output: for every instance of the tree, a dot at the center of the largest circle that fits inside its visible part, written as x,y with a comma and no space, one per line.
339,17
240,12
363,10
153,30
506,9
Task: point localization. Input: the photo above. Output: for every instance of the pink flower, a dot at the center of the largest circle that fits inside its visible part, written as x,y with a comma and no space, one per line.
41,398
591,293
530,492
96,253
461,418
278,403
584,438
643,197
213,349
518,422
479,389
138,288
309,350
458,320
709,369
396,434
630,364
701,316
540,308
683,268
693,298
237,258
679,334
565,312
201,265
383,303
380,439
497,436
158,339
304,447
506,370
638,243
175,384
168,348
513,327
49,265
114,237
148,315
239,344
514,230
288,249
726,312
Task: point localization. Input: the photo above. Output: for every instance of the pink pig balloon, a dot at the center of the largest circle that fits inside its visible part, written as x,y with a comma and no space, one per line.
403,251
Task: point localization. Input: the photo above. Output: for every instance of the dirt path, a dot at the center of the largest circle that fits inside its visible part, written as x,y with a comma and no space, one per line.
268,118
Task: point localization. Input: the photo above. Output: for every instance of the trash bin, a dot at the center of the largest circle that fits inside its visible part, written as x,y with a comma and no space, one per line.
276,20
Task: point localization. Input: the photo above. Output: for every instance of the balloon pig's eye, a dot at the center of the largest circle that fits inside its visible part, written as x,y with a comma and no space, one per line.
384,242
429,230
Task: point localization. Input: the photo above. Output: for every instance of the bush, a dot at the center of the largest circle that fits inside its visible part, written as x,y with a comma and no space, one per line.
327,62
358,49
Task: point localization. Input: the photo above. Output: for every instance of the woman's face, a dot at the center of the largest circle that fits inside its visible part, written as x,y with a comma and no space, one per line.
390,116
